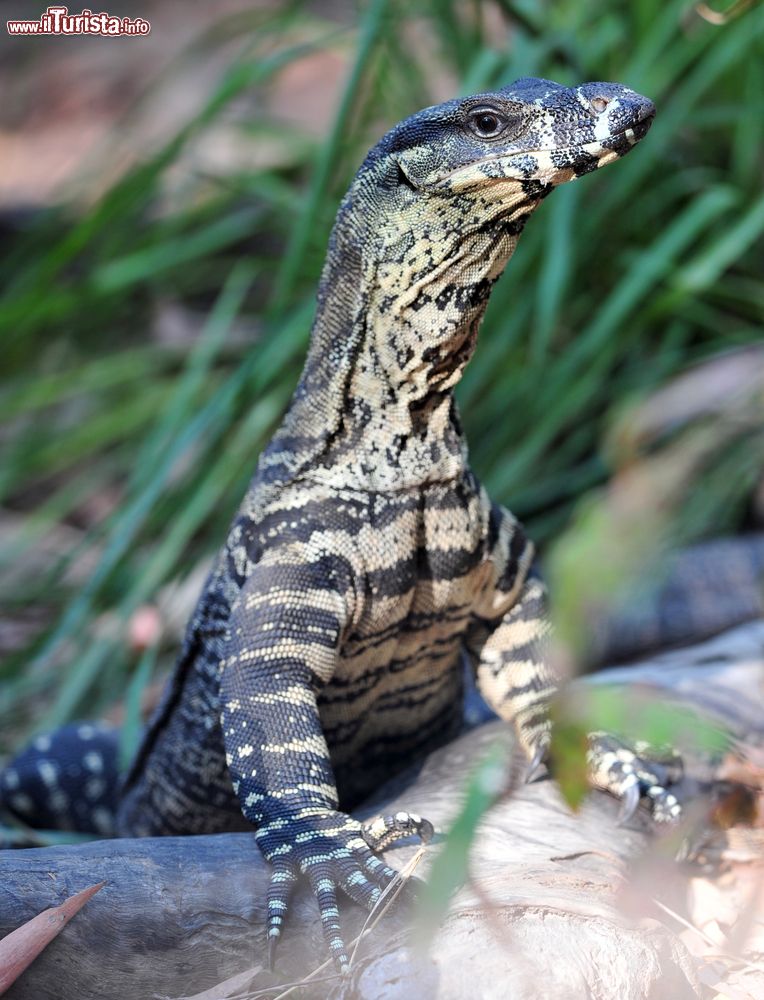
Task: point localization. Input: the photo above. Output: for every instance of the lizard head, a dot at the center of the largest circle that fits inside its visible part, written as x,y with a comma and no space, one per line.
484,162
436,209
422,235
443,197
534,133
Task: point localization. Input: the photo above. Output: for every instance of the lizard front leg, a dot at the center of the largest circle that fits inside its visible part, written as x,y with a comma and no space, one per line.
284,637
513,668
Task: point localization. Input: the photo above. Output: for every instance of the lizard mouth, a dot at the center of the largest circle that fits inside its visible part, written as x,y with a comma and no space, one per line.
630,135
581,158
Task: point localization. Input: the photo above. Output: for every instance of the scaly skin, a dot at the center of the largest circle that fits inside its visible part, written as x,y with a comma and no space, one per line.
366,558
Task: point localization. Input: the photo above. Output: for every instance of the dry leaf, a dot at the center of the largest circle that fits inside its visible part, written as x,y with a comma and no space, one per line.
21,947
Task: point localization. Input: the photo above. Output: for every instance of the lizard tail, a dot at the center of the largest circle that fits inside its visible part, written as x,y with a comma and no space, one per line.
65,780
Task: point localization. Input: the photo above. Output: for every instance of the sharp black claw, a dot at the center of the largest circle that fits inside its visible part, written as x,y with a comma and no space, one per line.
272,952
534,765
426,831
629,804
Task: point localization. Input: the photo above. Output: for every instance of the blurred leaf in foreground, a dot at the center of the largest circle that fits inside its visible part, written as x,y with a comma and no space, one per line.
620,542
489,782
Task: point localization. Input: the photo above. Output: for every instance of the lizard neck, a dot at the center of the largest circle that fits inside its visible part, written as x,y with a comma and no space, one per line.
399,309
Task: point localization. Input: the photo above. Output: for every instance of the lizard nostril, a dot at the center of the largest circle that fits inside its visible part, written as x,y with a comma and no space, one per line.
599,104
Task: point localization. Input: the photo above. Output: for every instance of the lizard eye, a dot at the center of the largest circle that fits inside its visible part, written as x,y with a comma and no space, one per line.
487,123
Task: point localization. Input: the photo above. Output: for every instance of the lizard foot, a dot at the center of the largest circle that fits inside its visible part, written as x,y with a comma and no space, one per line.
329,848
634,773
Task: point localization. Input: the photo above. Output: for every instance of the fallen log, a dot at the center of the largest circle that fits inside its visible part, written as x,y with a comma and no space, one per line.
540,916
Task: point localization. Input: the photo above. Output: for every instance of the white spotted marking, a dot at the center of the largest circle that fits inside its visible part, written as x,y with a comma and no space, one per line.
48,772
282,877
59,801
93,761
103,820
11,778
22,803
94,788
284,849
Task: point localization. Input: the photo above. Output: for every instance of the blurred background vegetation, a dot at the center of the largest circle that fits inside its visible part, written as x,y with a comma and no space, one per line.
165,204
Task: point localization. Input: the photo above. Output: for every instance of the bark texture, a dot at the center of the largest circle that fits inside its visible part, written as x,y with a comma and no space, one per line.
541,915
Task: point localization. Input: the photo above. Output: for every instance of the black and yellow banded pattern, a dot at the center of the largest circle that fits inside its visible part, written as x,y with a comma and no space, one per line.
366,560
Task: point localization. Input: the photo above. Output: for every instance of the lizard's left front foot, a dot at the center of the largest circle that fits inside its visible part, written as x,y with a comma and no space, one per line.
335,852
633,774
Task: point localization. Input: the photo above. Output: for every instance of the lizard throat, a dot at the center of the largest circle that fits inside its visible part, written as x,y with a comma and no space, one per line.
394,421
394,331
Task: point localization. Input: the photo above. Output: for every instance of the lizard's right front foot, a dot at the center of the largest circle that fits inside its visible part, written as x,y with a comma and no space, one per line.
329,848
630,773
635,773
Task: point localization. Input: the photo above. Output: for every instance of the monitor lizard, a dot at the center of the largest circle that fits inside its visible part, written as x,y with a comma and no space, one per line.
366,558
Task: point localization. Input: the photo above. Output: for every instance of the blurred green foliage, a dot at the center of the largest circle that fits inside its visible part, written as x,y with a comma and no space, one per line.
618,283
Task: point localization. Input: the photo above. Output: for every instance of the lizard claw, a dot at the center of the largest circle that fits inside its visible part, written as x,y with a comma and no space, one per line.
272,939
534,764
629,803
